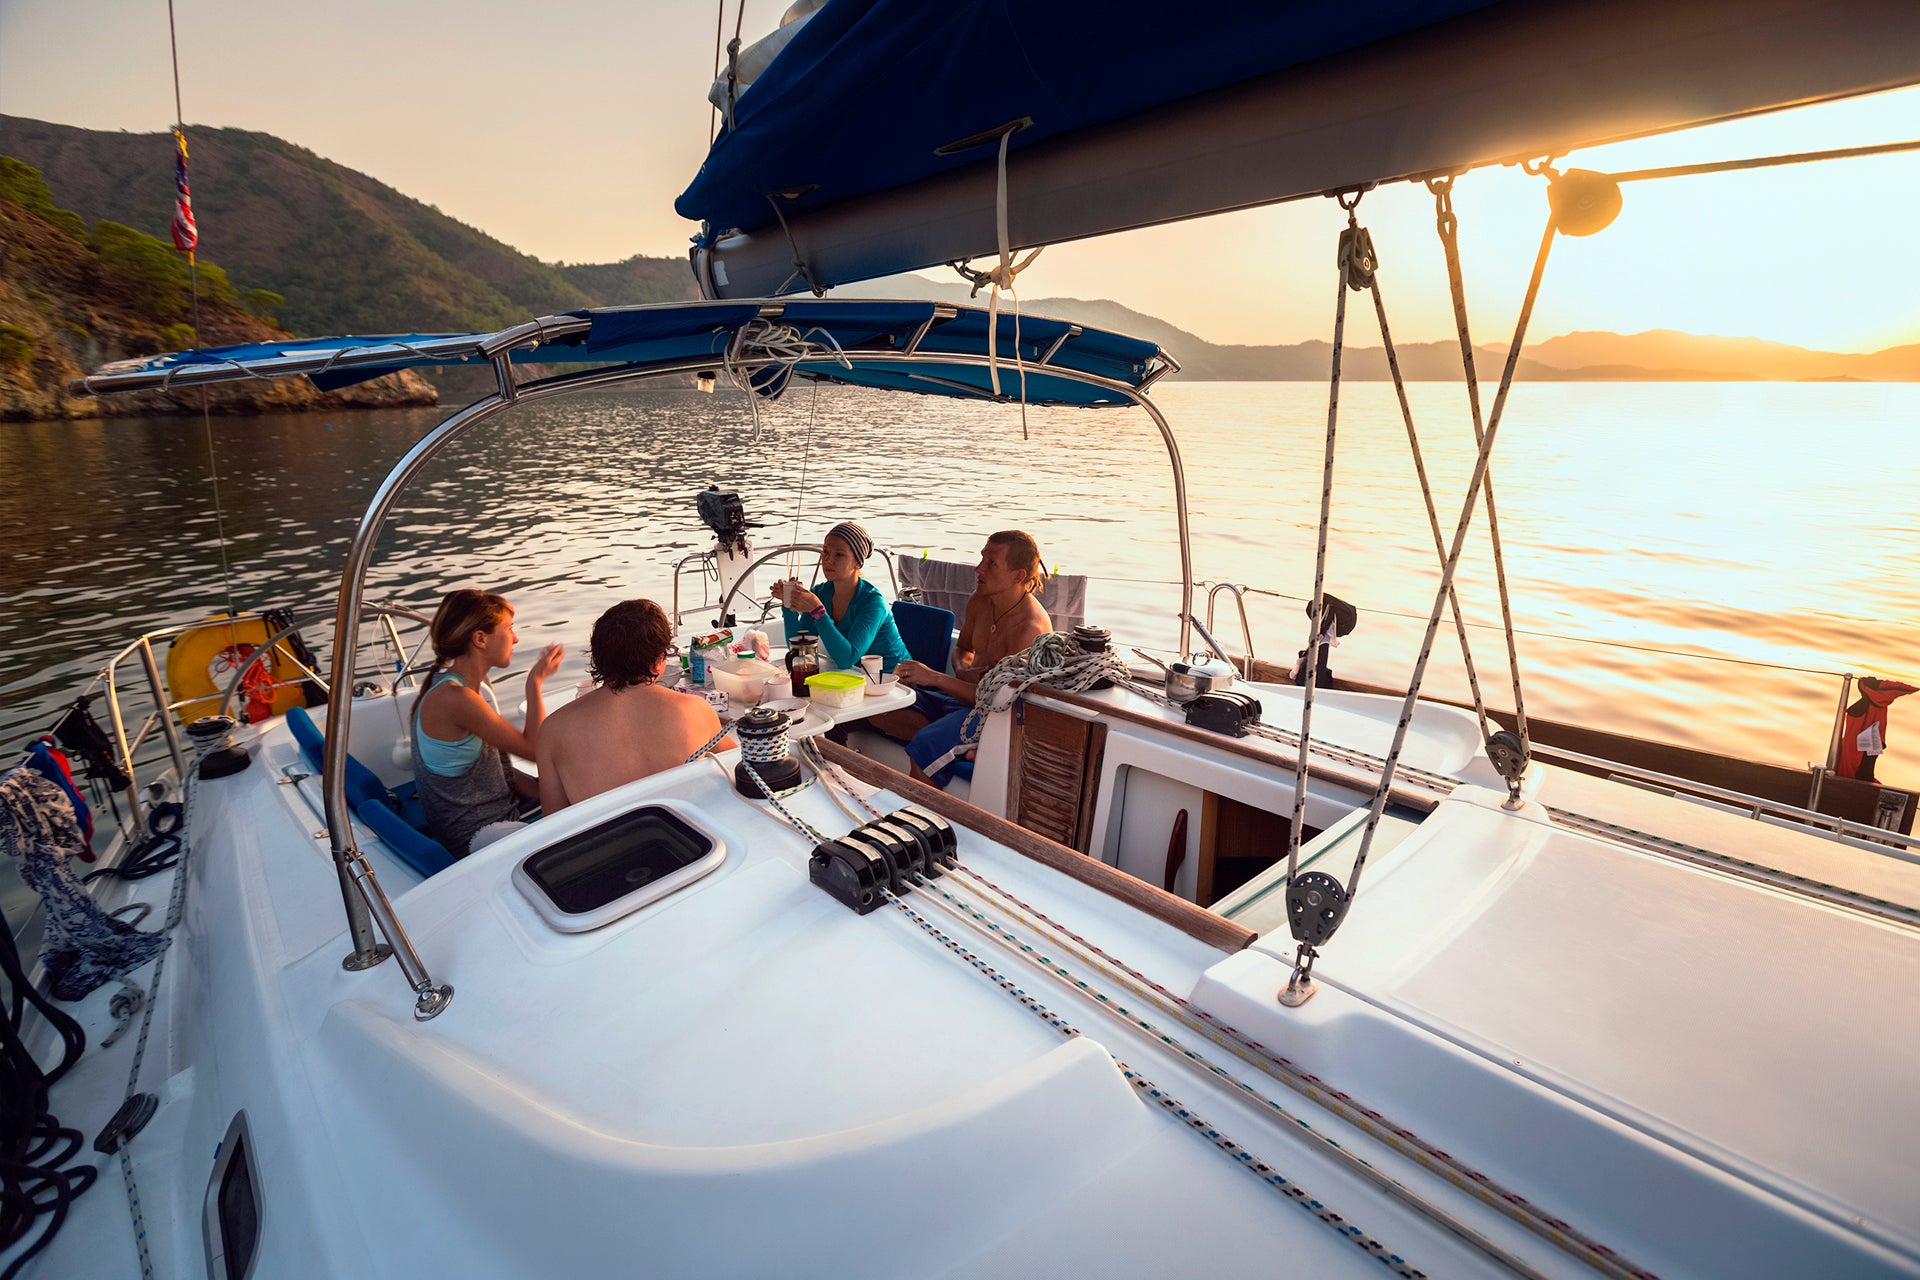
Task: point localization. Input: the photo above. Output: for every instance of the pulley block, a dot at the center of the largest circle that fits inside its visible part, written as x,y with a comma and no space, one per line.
1583,201
1358,258
1508,755
1316,904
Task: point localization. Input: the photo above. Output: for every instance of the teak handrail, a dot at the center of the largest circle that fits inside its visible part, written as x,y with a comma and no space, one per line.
1195,922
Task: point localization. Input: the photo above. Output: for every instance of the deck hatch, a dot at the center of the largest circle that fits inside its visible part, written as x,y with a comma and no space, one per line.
231,1213
596,876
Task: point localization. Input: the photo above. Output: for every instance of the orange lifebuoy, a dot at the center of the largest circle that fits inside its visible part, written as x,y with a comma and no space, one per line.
201,664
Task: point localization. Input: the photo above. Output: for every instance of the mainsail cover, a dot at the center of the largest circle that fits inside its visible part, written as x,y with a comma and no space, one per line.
1150,113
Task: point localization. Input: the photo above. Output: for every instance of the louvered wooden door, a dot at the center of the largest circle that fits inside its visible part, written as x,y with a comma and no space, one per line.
1054,773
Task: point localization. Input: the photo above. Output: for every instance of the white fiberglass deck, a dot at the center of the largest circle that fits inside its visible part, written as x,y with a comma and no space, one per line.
746,1078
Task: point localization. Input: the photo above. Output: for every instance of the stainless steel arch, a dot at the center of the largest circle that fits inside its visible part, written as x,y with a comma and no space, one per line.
364,900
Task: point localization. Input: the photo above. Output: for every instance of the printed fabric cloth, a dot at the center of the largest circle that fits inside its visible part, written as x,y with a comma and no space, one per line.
85,947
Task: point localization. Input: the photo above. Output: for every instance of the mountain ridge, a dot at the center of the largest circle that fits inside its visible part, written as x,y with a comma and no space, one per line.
351,254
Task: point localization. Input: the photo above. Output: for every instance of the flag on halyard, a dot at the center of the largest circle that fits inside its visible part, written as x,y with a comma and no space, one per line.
185,233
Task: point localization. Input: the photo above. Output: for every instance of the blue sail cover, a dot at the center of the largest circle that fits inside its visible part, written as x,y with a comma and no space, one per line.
931,74
907,346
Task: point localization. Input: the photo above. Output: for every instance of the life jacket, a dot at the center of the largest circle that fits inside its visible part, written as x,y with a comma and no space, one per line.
45,758
1863,734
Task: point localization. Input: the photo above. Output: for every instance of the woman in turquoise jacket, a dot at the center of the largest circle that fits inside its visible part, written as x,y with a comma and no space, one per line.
846,612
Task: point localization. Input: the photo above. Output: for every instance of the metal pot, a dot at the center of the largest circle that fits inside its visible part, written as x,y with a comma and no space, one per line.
1188,680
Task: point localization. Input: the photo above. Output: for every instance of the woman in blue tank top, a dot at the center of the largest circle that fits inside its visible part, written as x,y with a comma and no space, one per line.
466,783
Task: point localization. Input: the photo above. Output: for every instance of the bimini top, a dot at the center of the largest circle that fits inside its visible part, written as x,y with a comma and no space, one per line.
935,348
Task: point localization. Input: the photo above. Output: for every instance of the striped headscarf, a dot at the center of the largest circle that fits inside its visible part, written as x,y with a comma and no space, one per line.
856,539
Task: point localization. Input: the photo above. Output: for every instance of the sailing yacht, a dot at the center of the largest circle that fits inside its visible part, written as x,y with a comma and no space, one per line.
1474,1011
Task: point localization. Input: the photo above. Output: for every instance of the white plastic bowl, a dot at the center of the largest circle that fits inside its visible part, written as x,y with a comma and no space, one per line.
743,680
885,684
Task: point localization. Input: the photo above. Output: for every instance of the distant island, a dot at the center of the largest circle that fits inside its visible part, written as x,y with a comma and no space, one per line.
305,246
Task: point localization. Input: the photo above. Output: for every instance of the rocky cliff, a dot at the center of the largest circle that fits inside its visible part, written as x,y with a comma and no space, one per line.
73,298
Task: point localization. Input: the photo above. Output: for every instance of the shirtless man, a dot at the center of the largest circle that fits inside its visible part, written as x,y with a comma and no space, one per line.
629,727
1003,617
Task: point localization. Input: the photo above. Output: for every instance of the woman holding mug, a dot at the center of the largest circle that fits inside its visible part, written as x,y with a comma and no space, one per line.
846,611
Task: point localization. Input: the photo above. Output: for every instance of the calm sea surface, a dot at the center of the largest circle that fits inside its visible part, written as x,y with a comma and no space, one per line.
1694,562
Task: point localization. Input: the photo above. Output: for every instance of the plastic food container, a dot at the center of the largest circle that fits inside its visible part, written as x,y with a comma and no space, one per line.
743,680
833,689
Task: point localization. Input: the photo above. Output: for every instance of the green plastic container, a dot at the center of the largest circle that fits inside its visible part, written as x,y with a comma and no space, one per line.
836,688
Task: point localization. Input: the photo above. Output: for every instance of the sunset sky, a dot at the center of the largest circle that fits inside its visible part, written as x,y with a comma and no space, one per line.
569,139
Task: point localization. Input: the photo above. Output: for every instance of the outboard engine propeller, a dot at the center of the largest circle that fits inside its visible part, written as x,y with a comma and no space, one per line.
726,515
762,733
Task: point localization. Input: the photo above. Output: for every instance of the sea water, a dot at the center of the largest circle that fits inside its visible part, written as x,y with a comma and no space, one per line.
1692,562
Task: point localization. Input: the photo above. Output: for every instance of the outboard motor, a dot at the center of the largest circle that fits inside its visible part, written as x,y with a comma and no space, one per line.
726,515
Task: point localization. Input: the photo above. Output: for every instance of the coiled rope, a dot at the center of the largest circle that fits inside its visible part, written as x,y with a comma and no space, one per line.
1055,660
34,1145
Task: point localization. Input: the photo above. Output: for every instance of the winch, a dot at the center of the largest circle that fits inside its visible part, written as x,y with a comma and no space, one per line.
762,734
1093,640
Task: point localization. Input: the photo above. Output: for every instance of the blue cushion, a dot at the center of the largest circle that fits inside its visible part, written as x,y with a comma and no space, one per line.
410,811
362,782
418,850
926,630
313,743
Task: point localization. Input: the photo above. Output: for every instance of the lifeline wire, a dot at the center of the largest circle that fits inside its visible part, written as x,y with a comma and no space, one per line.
1147,1088
1348,1108
1352,1162
175,909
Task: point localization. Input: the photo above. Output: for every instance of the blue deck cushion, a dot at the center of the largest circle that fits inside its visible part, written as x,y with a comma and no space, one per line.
926,630
415,848
362,783
313,743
